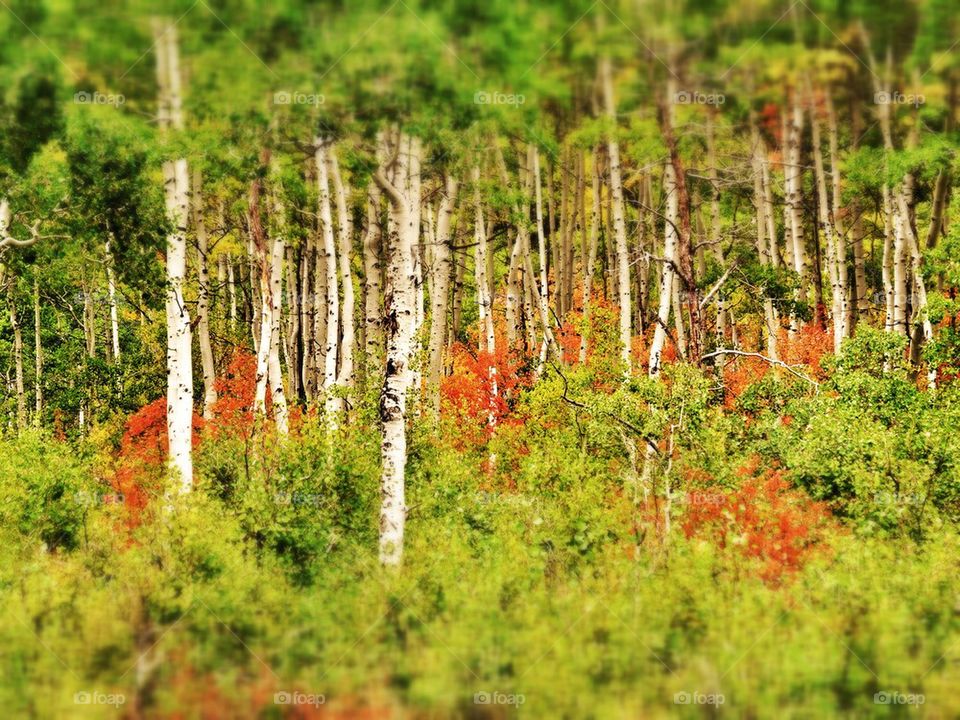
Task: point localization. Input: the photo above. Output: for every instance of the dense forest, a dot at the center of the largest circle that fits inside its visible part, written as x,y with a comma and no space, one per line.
447,358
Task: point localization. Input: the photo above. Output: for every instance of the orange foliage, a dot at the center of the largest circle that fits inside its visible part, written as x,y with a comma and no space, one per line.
467,395
143,453
765,519
236,387
806,347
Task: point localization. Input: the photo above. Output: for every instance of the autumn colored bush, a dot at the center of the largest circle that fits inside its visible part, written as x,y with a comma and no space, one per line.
765,519
144,448
478,395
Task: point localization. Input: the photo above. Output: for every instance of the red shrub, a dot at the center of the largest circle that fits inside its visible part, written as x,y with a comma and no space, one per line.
765,520
467,395
143,453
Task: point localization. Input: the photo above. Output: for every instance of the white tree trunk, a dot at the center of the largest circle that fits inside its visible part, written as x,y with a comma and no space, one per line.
177,191
403,233
666,269
543,295
329,252
440,271
112,301
618,217
203,302
345,227
591,260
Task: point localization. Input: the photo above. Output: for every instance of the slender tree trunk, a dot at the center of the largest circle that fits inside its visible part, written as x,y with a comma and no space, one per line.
619,220
825,221
666,269
542,252
766,246
17,357
345,246
177,191
112,300
203,301
403,234
329,252
373,283
440,273
591,261
794,200
37,355
294,367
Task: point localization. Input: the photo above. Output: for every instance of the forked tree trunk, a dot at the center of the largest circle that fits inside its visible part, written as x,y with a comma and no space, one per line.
403,234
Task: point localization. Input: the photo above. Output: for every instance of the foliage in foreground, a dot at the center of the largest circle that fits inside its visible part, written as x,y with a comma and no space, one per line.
607,551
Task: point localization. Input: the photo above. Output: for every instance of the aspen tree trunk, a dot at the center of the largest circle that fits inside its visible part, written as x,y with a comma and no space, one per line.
17,357
666,269
459,270
713,236
484,301
514,278
329,252
559,246
527,278
793,178
37,355
484,304
232,292
578,221
766,246
112,301
842,303
440,272
278,396
308,323
262,246
889,291
403,233
347,309
177,190
591,258
684,246
294,368
618,218
372,279
203,301
542,252
825,222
